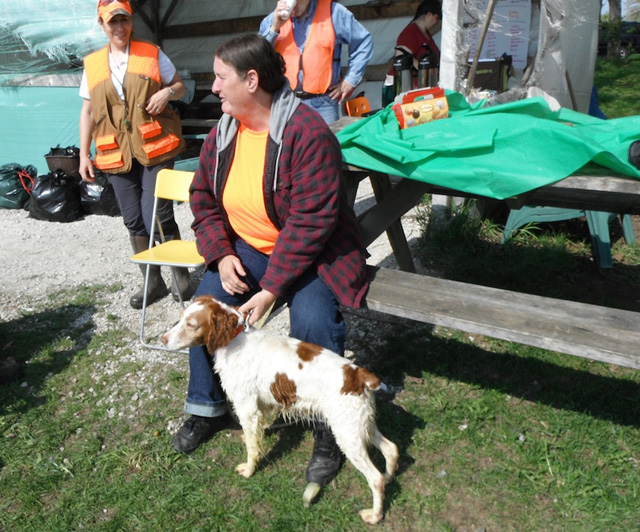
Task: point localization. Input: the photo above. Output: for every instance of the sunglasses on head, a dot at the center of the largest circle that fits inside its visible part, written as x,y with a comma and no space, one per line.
103,3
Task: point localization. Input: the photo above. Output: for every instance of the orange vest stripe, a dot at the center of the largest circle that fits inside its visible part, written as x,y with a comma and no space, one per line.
143,59
96,66
317,57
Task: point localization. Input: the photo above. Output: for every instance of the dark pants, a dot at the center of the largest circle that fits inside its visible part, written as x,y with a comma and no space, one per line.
315,317
135,194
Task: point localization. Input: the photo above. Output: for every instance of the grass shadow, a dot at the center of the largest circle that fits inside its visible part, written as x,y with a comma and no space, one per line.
546,259
519,372
39,345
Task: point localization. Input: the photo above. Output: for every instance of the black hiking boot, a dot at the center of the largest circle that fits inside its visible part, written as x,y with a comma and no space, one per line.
197,430
326,459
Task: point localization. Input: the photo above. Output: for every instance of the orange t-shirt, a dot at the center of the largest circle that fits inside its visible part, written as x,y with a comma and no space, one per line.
243,198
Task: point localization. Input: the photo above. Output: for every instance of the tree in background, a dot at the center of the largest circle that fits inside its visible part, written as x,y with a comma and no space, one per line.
613,27
633,10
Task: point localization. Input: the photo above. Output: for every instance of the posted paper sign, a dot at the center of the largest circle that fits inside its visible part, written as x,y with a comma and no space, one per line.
512,22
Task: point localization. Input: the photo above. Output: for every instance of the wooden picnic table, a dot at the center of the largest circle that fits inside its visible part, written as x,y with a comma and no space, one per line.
599,333
592,188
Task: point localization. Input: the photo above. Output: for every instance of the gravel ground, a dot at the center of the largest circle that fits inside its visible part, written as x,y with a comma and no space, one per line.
40,258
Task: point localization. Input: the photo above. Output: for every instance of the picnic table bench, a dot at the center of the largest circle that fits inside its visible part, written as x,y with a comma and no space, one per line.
589,331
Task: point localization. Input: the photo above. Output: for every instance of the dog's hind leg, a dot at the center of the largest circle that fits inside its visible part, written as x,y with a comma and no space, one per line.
356,451
388,449
253,425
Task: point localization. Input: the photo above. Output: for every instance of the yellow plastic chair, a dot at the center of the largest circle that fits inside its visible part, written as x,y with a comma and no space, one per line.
170,185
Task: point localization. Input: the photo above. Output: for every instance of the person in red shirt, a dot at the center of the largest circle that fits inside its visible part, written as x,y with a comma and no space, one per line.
414,39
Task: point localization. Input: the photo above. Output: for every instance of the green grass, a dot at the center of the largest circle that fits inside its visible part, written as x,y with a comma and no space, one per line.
491,434
618,83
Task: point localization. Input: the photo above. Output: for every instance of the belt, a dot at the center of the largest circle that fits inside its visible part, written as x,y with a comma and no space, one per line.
303,95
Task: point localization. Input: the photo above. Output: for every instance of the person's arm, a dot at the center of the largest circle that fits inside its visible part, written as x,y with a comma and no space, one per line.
87,124
271,24
173,89
349,31
160,99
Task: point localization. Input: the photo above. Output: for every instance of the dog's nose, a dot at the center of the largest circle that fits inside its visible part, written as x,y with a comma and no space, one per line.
164,339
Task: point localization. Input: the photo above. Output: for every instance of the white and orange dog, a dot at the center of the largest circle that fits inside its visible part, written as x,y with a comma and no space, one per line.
264,375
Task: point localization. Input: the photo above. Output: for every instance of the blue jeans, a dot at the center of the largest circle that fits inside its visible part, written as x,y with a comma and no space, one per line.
326,106
315,317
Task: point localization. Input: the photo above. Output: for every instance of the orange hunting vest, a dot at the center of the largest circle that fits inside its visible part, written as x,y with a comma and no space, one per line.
317,57
124,130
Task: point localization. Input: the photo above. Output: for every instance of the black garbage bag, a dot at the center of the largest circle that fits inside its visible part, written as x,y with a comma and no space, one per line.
99,197
16,183
55,198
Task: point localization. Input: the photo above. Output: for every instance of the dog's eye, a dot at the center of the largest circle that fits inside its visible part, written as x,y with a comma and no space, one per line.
192,324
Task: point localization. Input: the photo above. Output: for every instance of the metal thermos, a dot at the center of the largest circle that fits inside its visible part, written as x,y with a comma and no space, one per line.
402,74
428,69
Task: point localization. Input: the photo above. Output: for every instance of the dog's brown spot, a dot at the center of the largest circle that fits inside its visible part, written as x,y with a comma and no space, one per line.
357,379
307,352
222,324
300,365
284,390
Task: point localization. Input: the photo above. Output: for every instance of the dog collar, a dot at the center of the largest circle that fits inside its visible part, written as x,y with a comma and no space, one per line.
243,322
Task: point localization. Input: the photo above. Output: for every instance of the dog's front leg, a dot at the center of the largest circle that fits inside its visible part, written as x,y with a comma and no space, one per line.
253,430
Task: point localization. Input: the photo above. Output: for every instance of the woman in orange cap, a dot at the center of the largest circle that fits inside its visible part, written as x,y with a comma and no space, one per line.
126,88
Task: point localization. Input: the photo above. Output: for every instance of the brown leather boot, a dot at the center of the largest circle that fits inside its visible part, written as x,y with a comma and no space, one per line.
156,289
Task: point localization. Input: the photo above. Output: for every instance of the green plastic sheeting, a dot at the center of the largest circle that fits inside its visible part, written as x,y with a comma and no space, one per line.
497,152
35,119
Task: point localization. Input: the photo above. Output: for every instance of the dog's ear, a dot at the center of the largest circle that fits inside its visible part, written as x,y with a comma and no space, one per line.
222,329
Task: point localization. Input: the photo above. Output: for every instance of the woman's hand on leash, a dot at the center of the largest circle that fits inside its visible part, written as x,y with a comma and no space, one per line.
258,305
231,273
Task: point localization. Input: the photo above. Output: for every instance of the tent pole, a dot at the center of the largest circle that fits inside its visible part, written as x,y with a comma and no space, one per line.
483,34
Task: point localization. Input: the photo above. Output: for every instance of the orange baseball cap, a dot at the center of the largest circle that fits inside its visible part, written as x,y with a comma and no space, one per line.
107,9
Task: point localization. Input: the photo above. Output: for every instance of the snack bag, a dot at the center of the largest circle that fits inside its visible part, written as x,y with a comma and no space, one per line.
421,106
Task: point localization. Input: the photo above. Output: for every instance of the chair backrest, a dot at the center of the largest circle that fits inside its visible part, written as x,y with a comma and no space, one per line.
358,106
173,184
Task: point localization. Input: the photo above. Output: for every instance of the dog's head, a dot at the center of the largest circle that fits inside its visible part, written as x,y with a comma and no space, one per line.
204,322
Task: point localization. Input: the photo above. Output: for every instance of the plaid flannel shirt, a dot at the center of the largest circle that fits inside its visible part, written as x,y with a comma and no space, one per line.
308,204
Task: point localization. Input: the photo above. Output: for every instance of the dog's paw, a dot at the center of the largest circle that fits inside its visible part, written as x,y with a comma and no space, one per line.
246,470
370,516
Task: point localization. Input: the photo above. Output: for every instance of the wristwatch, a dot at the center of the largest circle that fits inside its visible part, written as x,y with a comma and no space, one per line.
172,93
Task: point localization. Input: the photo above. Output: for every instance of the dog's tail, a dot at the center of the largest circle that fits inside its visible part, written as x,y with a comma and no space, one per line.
357,380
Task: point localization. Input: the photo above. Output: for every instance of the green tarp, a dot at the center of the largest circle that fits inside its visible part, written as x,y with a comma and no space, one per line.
497,151
35,119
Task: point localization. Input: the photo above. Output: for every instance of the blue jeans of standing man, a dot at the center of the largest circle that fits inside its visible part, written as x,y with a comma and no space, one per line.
315,317
326,106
